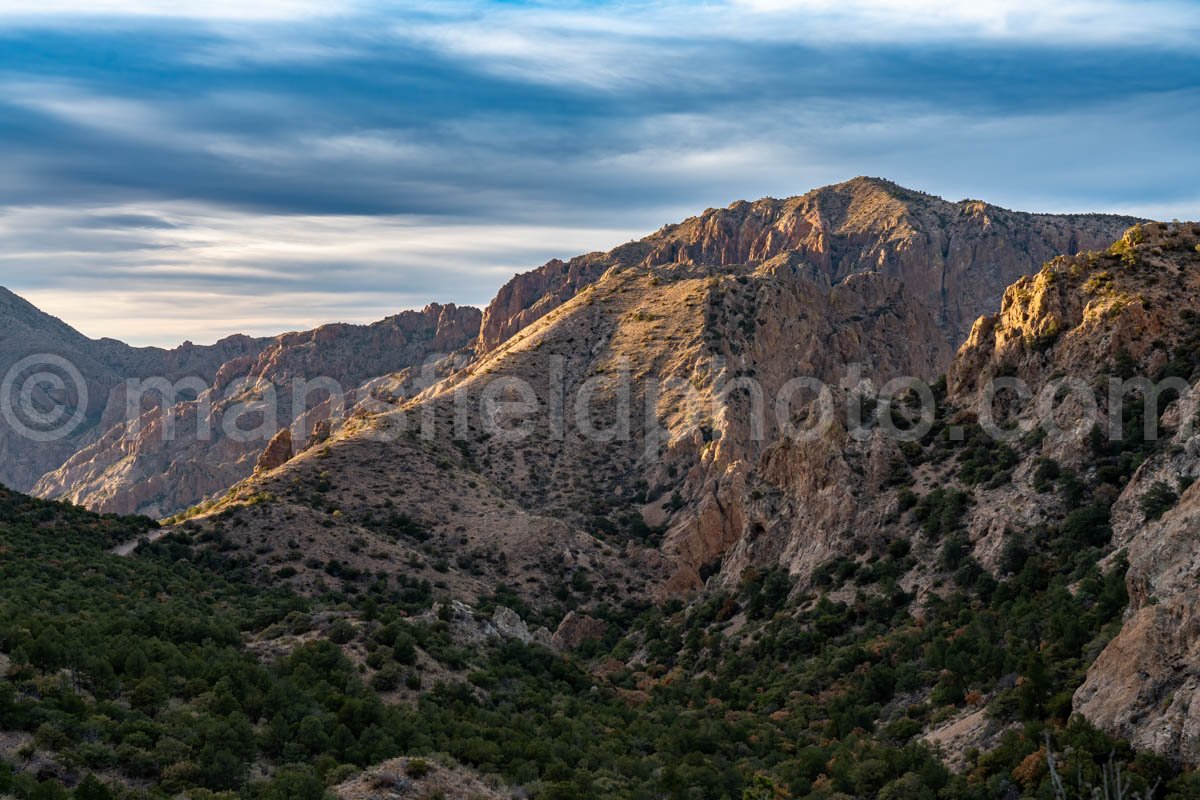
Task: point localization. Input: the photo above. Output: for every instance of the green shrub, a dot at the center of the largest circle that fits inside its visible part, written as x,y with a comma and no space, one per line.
1157,500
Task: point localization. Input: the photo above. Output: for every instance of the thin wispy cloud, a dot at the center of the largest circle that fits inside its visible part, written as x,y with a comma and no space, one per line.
1068,23
259,274
358,158
236,10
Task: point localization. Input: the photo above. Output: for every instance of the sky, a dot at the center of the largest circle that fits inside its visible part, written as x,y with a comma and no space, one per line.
183,170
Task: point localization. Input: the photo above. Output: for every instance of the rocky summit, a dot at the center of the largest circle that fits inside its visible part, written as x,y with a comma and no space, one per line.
956,258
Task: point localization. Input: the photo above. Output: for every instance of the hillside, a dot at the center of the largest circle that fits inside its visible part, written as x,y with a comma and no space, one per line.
893,619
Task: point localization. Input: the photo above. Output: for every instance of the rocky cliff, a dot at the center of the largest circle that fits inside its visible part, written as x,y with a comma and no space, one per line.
957,257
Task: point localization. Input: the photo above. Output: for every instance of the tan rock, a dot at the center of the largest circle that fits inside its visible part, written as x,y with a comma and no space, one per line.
278,452
959,257
1145,685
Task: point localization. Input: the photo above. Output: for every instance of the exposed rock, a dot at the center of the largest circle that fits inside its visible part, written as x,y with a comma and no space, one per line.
576,629
1145,686
278,452
471,628
958,257
421,777
969,730
321,431
952,260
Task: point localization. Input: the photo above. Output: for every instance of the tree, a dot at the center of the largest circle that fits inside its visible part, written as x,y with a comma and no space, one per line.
90,788
295,783
1157,500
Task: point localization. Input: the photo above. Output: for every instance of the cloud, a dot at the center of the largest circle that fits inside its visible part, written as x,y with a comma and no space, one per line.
630,45
1162,23
36,11
164,273
348,160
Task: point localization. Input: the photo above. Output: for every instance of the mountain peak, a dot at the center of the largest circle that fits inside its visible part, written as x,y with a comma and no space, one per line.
865,224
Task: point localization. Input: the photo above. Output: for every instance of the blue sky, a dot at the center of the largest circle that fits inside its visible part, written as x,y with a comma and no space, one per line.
183,170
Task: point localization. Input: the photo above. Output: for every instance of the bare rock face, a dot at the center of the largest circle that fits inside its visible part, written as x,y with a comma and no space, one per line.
958,257
471,628
530,295
321,431
866,328
576,629
278,452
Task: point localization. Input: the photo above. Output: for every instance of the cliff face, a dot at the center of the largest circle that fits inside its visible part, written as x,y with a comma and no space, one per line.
1145,686
958,258
142,467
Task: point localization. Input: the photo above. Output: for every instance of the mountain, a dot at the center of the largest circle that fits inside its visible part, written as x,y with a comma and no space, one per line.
994,573
103,367
871,597
863,273
719,504
957,258
137,466
950,260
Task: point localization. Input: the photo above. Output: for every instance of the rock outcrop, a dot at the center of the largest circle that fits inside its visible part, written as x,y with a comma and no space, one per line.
577,629
278,452
418,777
